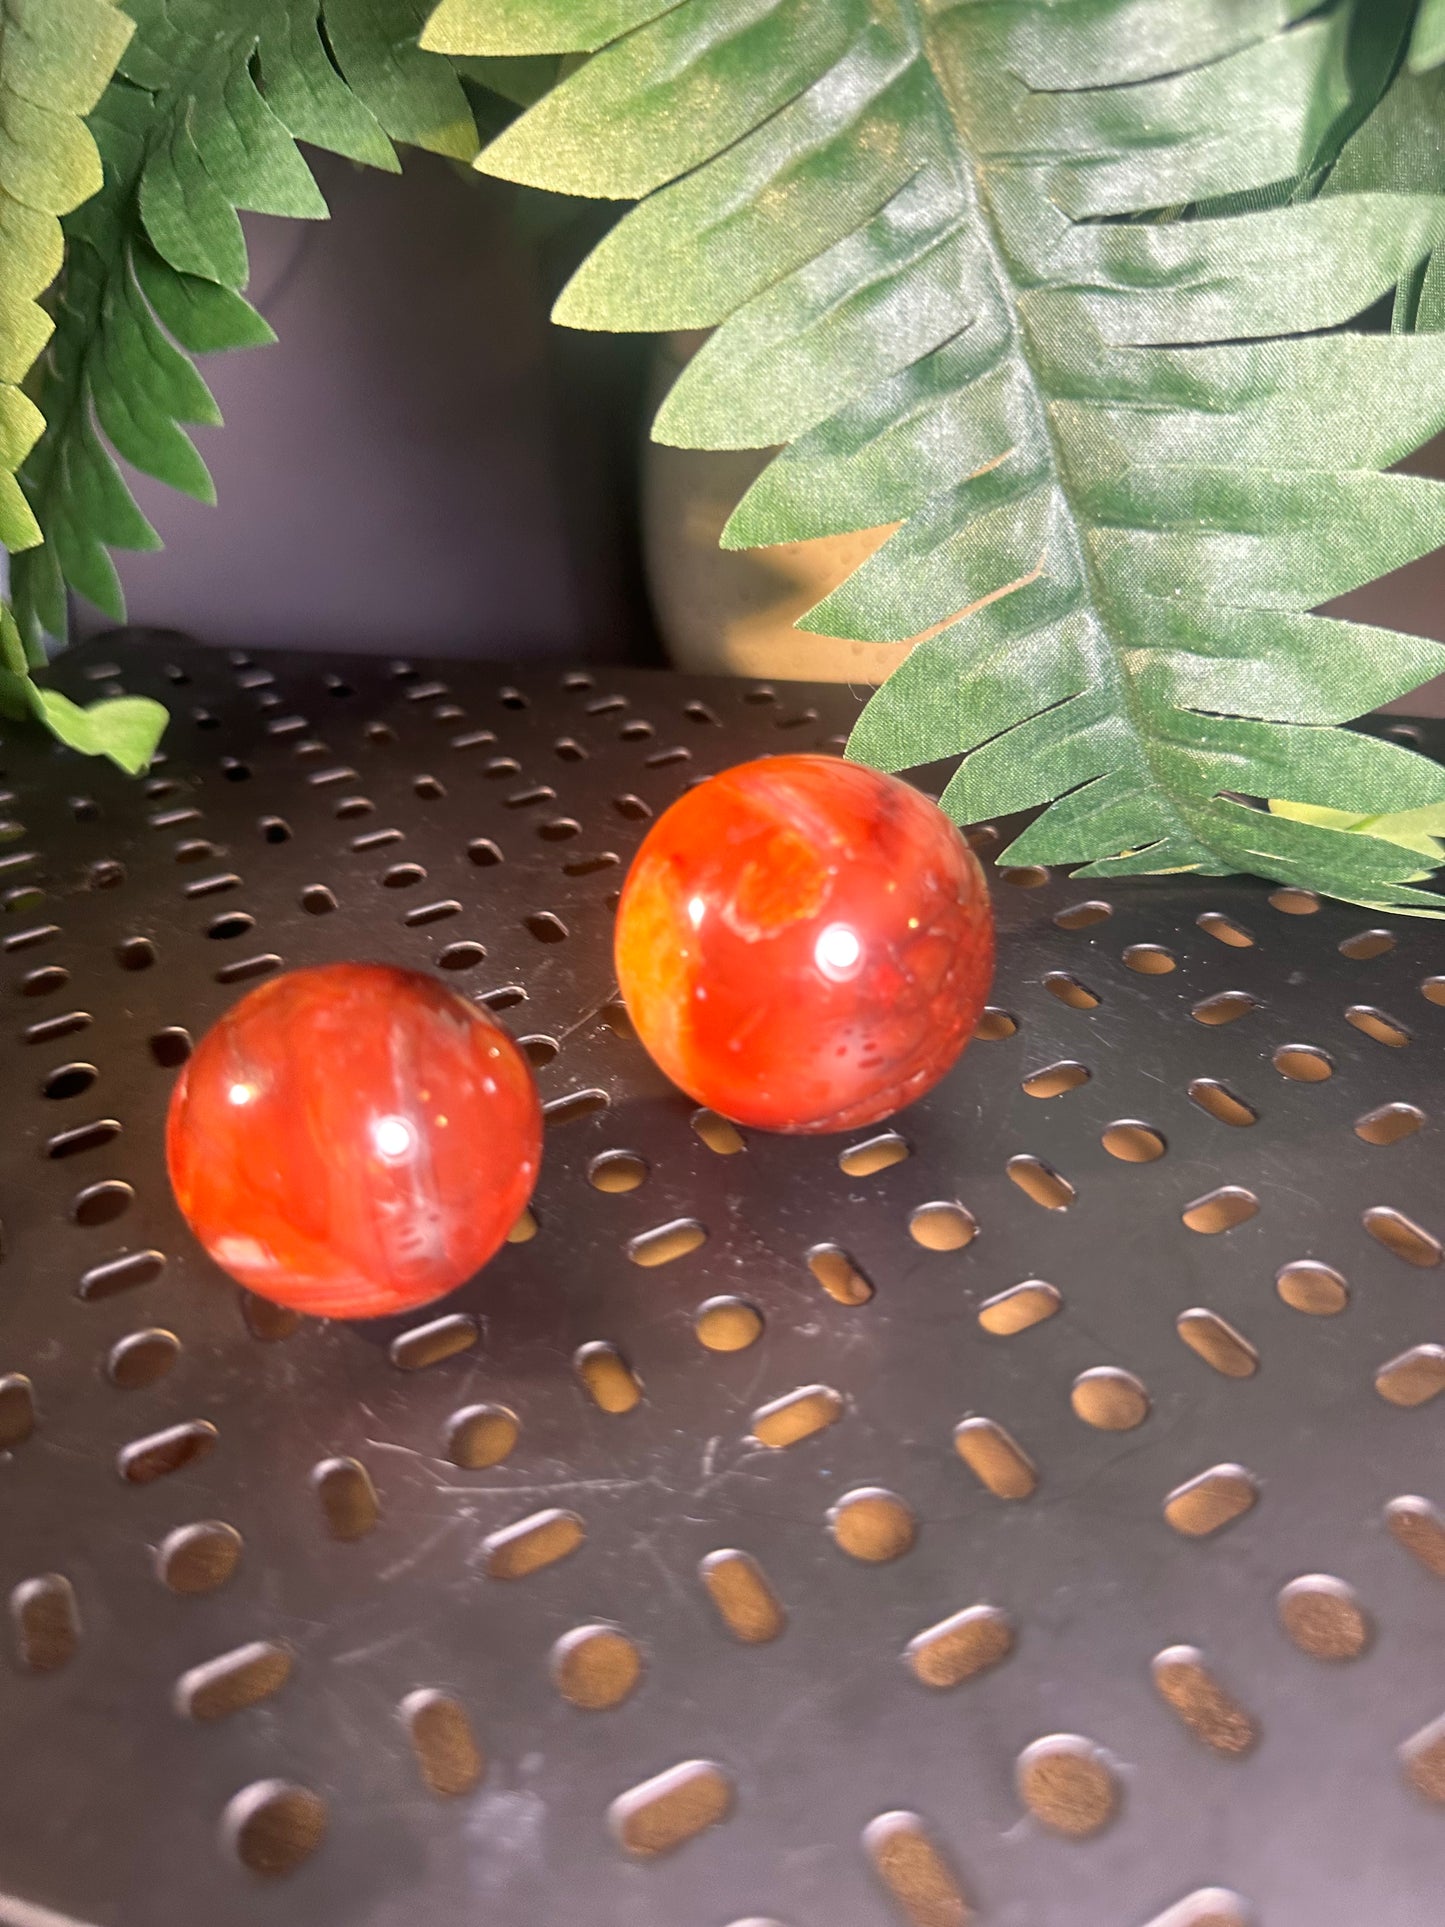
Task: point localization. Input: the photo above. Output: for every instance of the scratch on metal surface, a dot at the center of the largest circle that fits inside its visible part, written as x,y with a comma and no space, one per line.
418,1553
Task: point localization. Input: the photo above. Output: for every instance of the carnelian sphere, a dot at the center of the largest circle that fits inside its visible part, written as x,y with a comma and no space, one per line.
804,944
353,1140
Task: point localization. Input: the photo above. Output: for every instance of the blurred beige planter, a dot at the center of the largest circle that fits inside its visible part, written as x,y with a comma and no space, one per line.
732,611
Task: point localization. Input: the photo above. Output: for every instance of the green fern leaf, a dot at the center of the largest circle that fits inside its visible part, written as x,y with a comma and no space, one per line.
201,121
1427,48
55,61
1125,456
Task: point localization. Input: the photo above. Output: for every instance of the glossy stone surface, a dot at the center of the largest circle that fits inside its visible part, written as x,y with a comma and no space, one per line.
804,944
353,1140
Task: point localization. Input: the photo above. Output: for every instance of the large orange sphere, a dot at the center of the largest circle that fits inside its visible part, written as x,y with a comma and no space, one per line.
353,1140
804,944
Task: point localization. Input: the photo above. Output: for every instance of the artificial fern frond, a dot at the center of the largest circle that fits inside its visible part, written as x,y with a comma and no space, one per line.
1427,48
55,61
202,120
924,237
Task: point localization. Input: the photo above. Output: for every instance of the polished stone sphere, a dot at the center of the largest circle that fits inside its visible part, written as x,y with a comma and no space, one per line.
804,944
354,1139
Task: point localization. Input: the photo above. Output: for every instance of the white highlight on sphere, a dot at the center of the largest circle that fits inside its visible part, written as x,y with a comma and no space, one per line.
838,951
696,911
241,1093
392,1136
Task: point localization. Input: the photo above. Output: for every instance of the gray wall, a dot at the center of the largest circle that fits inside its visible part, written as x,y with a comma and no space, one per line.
421,462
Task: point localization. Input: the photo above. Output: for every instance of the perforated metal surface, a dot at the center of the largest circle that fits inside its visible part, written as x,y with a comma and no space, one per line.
382,1642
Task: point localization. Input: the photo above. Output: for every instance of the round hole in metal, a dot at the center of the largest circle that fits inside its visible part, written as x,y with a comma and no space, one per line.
727,1324
135,953
478,1436
272,1826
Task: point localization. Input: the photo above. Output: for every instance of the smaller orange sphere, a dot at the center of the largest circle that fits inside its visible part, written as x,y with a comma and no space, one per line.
354,1139
804,944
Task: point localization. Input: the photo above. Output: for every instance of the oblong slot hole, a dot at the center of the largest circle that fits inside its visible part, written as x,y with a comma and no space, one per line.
607,1377
995,1458
1190,1690
719,1134
960,1647
541,1539
796,1416
1054,1079
840,1275
317,900
745,1601
121,1274
42,981
595,1667
574,1106
1133,1142
1402,1236
1414,1377
160,1453
1225,930
915,1871
1221,1103
1367,944
377,839
84,1137
141,1358
1419,1527
995,1024
667,1242
1376,1024
232,1681
1071,990
1221,1209
586,866
231,924
873,1155
1078,916
1303,1063
47,1622
1224,1007
402,876
1311,1287
617,1172
1041,1182
429,1344
662,1813
17,1410
266,1321
545,927
50,1028
1389,1123
1205,1504
349,1504
1295,903
1150,959
1216,1341
447,1755
1019,1308
944,1225
432,913
102,1203
248,967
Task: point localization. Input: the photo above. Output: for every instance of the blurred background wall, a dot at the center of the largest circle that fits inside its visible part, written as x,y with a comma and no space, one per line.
424,463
